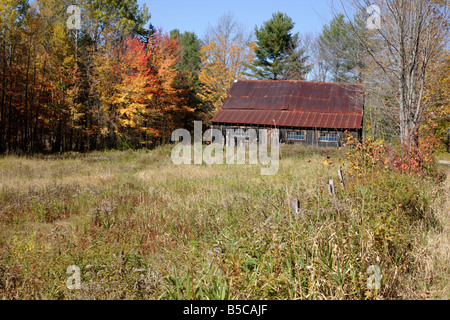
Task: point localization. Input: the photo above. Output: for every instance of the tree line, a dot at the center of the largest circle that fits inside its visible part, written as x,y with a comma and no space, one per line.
117,82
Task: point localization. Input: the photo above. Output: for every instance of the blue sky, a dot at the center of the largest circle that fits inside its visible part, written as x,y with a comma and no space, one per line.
194,15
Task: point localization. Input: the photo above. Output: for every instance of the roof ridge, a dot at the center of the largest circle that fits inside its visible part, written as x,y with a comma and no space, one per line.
303,81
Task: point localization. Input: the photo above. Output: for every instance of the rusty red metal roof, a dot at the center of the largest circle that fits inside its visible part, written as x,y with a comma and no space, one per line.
293,104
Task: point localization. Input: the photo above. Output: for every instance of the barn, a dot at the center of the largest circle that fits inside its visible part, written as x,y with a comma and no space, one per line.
306,112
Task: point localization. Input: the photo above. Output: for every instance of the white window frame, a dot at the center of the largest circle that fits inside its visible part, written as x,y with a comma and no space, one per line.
297,132
327,139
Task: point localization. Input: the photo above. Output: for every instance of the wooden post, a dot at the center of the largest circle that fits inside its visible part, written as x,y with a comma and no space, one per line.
448,140
331,187
341,177
295,205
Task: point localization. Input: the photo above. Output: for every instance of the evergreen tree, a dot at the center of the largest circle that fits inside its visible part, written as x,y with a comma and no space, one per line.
189,50
187,81
278,54
340,49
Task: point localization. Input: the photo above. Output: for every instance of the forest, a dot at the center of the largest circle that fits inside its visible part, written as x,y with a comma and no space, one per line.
99,76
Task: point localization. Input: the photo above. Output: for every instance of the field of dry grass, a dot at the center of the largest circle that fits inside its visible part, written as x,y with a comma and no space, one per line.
140,227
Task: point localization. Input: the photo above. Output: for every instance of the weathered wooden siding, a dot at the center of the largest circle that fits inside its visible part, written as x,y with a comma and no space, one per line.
312,135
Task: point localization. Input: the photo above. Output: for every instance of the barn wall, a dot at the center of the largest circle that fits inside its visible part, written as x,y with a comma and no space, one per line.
311,134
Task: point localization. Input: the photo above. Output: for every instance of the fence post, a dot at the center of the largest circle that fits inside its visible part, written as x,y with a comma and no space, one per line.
295,205
341,177
331,187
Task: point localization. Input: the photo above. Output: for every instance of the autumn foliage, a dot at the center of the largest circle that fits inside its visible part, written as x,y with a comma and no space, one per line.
114,86
223,61
138,90
372,155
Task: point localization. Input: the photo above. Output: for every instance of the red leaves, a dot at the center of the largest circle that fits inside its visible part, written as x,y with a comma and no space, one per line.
139,91
415,157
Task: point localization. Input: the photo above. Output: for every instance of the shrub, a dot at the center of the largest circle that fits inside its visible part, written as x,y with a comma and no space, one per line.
414,157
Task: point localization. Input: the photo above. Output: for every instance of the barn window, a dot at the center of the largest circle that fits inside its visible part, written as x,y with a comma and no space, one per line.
296,135
328,137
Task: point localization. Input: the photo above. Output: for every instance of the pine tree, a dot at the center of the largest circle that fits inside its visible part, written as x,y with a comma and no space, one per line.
340,50
278,54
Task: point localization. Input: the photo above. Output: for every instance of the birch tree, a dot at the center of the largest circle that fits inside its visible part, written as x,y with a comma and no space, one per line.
225,55
409,36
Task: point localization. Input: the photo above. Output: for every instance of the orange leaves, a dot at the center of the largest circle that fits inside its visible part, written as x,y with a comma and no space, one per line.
414,157
137,84
162,58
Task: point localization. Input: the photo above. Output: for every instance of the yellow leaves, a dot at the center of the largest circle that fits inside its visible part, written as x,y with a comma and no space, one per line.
22,246
223,61
325,163
137,83
437,94
9,14
104,131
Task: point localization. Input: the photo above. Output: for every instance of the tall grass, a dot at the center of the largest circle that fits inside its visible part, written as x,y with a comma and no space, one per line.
140,227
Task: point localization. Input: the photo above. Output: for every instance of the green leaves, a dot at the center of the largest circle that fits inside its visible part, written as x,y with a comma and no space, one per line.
278,55
340,49
126,17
